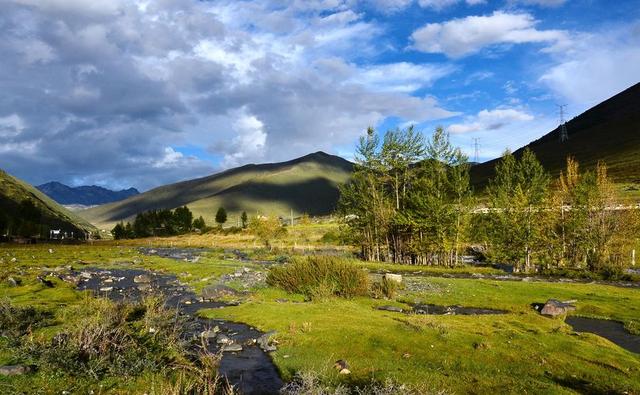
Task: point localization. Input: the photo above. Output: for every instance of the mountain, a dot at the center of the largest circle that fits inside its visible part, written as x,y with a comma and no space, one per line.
608,132
305,185
26,211
84,195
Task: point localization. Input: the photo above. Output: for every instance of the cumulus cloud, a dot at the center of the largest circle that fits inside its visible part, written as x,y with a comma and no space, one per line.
465,36
598,66
105,92
487,120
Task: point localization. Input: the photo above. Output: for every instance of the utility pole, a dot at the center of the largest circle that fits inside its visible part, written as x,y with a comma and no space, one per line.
476,155
564,136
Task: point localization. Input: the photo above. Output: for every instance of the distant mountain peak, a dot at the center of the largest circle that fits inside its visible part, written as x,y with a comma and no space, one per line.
84,195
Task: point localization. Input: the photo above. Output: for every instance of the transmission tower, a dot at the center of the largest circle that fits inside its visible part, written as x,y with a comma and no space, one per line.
476,145
564,136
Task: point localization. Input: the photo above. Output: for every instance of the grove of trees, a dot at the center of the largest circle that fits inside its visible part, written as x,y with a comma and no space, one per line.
163,222
410,201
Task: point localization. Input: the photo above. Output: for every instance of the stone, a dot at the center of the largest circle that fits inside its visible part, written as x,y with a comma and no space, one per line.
13,260
142,278
45,282
210,333
86,275
13,282
223,339
395,309
393,277
213,292
233,347
106,289
15,370
342,367
266,343
555,308
50,251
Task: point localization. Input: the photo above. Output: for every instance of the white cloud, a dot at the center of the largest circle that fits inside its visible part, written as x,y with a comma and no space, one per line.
442,4
250,140
541,3
487,120
460,37
400,77
11,126
598,66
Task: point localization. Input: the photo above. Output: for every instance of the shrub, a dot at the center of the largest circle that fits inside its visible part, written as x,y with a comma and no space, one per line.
385,288
17,321
317,277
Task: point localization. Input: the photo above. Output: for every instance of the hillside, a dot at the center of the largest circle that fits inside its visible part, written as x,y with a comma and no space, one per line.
84,195
608,132
36,217
305,185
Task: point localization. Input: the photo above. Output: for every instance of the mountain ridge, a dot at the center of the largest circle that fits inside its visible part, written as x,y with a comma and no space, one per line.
87,195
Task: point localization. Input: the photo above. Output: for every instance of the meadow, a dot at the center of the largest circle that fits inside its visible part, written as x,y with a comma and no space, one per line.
520,351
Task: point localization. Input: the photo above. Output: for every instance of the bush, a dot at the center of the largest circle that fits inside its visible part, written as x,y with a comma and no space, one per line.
318,277
16,322
385,289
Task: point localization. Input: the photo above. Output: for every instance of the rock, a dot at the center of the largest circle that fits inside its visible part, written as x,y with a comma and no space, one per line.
213,292
45,282
233,347
106,289
13,282
210,333
50,251
393,277
342,367
15,370
144,287
13,260
390,308
142,278
223,339
554,308
265,342
86,275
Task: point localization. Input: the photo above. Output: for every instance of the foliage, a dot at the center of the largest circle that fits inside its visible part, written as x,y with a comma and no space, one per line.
385,288
319,277
221,216
244,219
199,224
16,321
267,229
409,199
156,223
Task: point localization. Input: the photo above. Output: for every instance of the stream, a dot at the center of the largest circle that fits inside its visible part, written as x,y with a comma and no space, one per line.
613,331
250,370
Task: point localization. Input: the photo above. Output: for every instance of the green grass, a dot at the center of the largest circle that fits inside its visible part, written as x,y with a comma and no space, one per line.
13,191
517,352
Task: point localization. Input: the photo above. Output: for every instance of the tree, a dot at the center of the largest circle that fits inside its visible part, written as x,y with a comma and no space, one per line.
183,219
518,198
244,219
221,216
199,224
119,231
267,229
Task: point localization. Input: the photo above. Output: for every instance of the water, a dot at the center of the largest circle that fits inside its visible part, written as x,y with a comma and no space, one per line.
613,331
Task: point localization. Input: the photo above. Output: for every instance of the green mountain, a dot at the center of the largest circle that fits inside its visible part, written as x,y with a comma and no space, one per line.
608,132
25,211
305,185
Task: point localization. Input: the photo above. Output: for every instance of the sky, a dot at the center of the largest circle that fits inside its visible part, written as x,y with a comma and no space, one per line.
123,93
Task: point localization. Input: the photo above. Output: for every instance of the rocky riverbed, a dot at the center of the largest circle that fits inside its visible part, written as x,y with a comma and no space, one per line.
245,361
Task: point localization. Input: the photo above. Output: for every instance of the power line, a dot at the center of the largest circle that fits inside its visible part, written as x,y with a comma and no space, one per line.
564,136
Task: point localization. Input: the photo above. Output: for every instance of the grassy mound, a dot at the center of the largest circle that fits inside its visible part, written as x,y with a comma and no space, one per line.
318,277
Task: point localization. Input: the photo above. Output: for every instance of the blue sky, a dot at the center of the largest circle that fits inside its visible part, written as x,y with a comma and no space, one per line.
142,93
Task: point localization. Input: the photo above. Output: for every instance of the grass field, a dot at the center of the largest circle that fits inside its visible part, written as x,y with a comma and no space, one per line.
517,352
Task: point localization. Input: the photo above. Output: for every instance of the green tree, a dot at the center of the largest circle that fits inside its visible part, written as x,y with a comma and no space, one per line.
199,224
244,218
183,219
119,231
267,229
221,216
518,206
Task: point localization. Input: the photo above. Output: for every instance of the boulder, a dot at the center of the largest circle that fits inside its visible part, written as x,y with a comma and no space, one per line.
13,282
15,370
554,308
142,278
223,339
232,347
265,342
395,309
213,292
393,277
